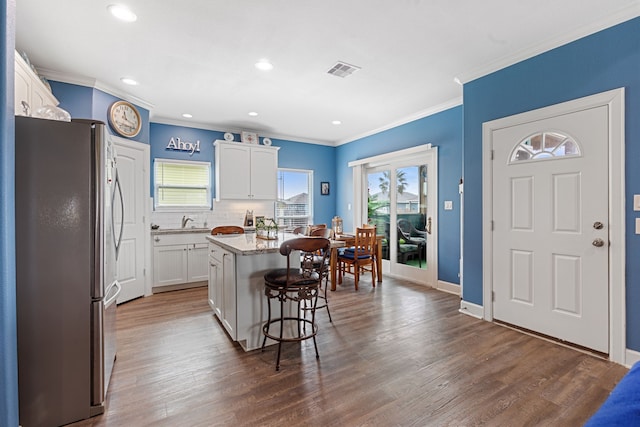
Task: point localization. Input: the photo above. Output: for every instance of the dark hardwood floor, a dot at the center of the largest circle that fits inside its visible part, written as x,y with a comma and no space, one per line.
396,355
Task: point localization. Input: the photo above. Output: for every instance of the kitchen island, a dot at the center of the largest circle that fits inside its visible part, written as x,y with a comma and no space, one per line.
237,264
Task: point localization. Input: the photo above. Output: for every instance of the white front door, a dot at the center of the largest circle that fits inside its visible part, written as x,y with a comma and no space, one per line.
551,226
131,259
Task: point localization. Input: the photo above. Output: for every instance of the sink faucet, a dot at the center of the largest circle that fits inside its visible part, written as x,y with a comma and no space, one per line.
186,219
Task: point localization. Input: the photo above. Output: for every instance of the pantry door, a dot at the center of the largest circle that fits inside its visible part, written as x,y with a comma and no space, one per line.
551,226
132,161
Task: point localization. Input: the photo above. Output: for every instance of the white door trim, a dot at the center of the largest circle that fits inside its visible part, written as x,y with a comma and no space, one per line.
146,151
614,100
426,153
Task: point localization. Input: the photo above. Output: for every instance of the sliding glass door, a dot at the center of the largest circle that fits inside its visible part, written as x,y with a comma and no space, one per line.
401,202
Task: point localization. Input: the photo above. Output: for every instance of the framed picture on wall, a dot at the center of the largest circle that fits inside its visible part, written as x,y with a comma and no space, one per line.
324,188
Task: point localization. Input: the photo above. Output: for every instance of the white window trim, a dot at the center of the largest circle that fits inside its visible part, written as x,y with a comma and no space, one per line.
309,172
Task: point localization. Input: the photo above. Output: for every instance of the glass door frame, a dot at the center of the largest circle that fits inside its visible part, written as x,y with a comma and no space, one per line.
416,156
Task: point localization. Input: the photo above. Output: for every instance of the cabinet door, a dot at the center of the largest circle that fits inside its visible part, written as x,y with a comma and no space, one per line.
264,173
229,293
169,265
233,171
219,288
213,282
197,260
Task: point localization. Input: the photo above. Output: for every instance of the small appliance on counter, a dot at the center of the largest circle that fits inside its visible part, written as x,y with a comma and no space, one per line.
248,219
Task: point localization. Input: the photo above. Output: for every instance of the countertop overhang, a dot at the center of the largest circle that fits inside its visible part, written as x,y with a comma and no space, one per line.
179,231
249,243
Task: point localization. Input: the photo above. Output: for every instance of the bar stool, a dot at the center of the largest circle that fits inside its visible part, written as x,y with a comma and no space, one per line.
323,299
295,284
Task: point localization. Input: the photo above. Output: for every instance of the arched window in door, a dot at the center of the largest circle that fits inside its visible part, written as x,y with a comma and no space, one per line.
545,145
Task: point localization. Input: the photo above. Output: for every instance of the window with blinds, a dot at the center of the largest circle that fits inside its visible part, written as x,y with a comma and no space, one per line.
294,204
182,184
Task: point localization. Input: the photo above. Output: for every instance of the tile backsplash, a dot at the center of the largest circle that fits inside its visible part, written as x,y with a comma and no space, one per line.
223,213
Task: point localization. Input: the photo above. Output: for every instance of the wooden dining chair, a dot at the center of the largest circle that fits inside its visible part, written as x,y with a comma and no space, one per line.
321,256
359,258
227,229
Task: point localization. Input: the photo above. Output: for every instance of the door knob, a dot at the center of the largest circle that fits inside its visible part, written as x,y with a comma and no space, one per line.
598,225
598,243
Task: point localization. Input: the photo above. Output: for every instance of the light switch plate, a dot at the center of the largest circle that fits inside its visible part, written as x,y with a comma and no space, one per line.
637,225
448,205
636,202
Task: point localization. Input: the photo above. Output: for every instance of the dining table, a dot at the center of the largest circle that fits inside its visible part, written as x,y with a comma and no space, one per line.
346,240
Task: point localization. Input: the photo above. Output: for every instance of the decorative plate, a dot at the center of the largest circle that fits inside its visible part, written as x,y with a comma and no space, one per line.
228,136
266,141
249,137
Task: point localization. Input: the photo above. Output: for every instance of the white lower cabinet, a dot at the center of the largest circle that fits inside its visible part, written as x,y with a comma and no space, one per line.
197,270
236,292
179,259
169,265
222,287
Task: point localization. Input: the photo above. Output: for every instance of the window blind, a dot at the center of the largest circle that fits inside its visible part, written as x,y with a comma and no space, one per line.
182,184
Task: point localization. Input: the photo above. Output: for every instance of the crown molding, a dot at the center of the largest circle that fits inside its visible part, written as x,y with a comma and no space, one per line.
419,115
95,84
223,128
625,14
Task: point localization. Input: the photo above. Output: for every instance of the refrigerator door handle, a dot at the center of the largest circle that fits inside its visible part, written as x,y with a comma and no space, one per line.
113,196
109,301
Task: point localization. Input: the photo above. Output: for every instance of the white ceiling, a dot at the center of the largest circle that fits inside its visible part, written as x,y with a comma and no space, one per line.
197,56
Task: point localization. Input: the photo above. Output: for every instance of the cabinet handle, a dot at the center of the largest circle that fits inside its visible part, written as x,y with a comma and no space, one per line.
157,239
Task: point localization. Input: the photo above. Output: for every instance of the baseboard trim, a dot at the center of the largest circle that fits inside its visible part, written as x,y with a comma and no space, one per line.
470,309
448,287
631,357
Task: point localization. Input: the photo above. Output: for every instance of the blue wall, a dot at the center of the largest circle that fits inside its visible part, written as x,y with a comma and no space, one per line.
161,134
321,160
8,337
88,103
443,130
295,155
606,60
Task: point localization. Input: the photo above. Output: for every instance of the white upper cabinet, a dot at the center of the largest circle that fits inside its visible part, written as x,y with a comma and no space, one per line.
30,92
245,171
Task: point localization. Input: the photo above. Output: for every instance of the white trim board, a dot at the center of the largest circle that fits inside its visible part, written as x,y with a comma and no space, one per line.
614,100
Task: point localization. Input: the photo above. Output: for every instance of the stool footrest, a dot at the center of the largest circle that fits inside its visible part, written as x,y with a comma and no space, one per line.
298,320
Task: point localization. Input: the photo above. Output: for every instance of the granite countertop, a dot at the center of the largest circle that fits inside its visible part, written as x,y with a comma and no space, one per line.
249,243
179,231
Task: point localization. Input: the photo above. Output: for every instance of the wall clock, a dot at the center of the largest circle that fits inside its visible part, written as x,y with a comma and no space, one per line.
125,119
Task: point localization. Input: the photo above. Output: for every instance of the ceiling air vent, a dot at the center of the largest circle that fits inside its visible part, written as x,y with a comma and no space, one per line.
342,69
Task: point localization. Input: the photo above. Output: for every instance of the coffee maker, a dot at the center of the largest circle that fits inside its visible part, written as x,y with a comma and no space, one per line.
248,219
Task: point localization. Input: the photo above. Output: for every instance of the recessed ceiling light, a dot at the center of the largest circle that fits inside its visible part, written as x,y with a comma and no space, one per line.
187,115
336,122
253,114
122,12
128,81
264,65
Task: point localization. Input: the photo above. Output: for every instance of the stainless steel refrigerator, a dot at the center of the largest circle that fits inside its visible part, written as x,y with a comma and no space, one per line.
67,201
